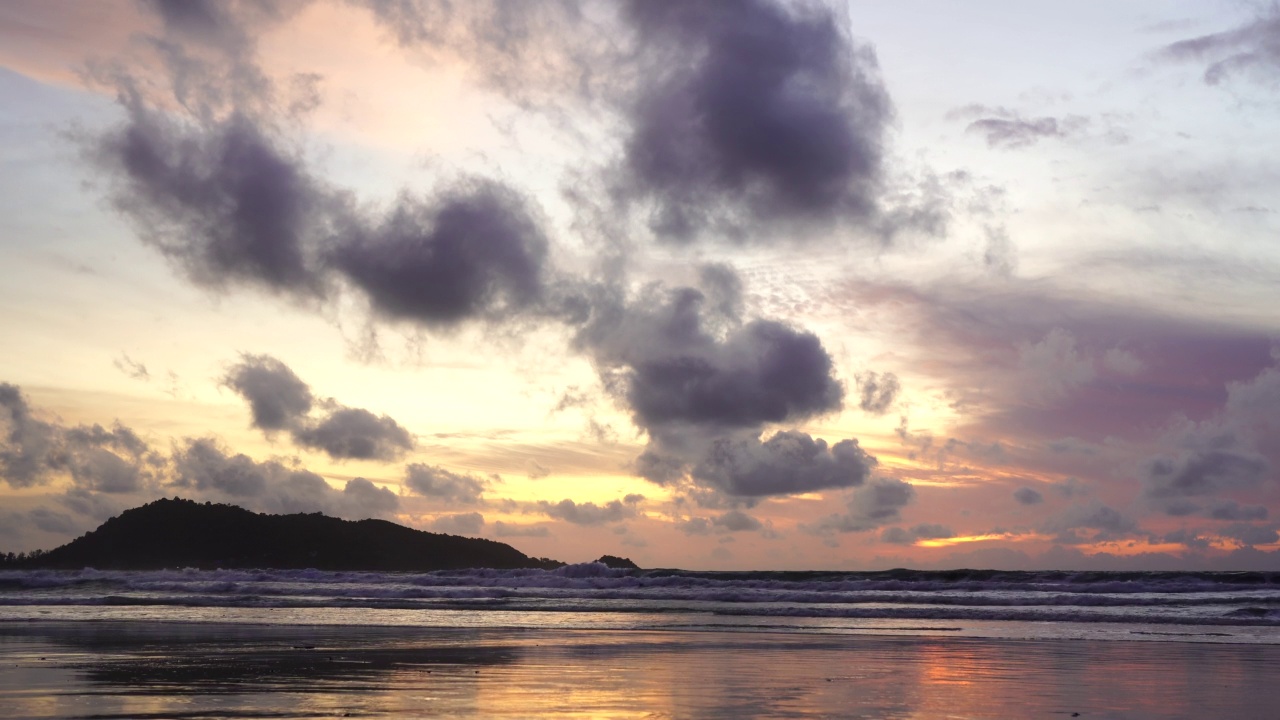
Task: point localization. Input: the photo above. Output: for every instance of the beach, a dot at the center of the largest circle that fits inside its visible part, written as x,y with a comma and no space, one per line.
597,642
116,669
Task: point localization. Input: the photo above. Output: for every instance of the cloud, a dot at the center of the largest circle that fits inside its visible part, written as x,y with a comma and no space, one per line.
873,505
1204,472
1251,534
751,112
228,25
280,400
28,442
32,451
111,469
52,521
225,191
694,526
130,367
1028,496
437,483
353,433
1220,455
901,536
789,462
205,467
1122,362
228,203
505,529
589,513
1252,48
737,521
1231,510
469,524
762,372
876,392
704,383
475,252
535,54
1107,521
1023,132
1051,368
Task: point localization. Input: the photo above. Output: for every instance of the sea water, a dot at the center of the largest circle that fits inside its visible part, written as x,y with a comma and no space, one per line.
1215,606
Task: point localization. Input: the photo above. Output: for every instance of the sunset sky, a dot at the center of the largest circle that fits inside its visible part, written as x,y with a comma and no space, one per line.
769,285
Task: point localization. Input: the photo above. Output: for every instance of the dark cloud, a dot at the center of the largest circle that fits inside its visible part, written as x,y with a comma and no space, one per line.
229,197
589,513
789,462
1228,452
277,397
677,363
876,392
1231,510
209,470
505,529
280,400
519,531
751,112
1251,534
1189,538
1252,48
737,521
32,451
207,20
704,383
356,434
95,506
438,483
763,372
52,521
904,536
1204,472
104,471
1028,496
694,526
28,442
474,252
204,465
873,505
470,524
1107,521
227,202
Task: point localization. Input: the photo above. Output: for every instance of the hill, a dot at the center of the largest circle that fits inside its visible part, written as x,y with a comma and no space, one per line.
183,533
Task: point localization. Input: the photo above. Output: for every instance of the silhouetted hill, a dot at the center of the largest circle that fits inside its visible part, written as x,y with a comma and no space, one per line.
614,561
183,533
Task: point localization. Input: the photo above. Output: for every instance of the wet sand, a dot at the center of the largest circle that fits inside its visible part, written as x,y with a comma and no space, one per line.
175,670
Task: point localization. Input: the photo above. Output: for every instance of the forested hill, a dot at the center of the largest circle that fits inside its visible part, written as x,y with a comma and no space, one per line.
182,533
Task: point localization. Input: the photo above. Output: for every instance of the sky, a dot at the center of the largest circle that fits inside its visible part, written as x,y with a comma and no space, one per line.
722,285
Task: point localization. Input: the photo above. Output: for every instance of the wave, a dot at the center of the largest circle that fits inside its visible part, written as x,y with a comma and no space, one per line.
1207,598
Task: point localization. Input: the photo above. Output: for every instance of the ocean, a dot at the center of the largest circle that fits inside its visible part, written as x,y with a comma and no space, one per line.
1224,606
590,641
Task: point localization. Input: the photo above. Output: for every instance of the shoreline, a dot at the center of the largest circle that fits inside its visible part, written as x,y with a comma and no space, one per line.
613,621
144,669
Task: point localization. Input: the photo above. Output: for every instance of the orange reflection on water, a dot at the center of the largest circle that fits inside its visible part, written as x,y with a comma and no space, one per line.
494,673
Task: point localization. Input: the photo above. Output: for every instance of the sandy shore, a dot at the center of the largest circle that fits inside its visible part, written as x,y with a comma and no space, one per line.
172,670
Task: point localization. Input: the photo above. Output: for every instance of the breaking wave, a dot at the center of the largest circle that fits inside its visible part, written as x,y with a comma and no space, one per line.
1245,598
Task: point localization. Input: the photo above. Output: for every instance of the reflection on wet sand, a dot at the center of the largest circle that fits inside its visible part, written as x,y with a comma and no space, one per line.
119,670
